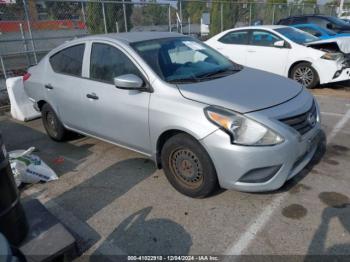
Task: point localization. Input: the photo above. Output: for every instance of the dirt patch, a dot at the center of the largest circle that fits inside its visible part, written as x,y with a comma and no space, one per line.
294,211
334,199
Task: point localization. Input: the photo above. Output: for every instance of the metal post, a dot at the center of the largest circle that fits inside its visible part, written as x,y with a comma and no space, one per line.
290,10
117,26
221,17
125,20
180,3
3,67
83,12
104,17
250,14
302,9
30,30
169,17
24,43
273,13
189,25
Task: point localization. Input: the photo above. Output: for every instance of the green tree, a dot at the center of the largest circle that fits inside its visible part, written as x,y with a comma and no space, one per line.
232,12
114,13
194,10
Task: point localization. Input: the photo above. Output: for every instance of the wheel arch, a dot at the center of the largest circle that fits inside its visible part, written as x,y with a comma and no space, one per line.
40,104
165,136
299,62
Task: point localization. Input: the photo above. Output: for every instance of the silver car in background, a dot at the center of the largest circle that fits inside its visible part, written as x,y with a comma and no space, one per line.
206,121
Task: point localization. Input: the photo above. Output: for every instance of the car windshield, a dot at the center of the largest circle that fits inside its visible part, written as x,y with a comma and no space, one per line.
184,60
337,21
296,35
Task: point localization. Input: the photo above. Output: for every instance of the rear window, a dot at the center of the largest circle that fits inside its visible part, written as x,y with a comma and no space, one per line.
237,37
69,60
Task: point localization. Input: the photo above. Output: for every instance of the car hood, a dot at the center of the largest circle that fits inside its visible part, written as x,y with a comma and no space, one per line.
245,91
343,44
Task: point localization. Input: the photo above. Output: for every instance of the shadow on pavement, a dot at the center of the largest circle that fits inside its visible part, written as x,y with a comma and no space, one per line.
19,136
138,235
89,197
338,208
75,206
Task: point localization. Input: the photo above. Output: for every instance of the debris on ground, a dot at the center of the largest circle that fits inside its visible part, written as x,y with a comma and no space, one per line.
29,168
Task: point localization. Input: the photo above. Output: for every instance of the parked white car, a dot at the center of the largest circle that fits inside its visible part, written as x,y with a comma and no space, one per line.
286,51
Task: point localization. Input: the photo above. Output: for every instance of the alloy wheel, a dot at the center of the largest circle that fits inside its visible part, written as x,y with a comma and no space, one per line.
304,75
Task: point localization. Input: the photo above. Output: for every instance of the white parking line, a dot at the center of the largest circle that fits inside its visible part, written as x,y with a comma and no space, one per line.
332,114
339,125
237,247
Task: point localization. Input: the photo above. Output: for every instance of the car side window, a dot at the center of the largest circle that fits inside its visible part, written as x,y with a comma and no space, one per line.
263,38
236,37
108,62
69,60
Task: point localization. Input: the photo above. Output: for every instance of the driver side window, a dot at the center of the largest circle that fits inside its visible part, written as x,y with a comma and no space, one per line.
263,38
108,62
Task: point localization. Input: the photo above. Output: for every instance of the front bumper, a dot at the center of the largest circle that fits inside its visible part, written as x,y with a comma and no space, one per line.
232,162
332,71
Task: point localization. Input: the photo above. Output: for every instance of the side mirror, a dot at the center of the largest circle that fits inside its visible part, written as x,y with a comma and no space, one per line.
129,81
279,44
317,34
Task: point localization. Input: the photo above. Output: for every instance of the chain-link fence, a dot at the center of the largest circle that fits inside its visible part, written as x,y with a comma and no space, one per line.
30,28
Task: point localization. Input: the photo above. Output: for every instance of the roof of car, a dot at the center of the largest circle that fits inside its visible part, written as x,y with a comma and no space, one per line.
300,16
261,27
133,37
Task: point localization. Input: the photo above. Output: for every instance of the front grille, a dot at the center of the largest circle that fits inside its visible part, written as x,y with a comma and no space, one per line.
303,122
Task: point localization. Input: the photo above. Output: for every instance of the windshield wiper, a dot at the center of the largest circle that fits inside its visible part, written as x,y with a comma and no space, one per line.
191,79
219,73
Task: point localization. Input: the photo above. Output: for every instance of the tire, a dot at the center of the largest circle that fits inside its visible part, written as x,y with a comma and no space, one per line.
188,167
305,74
52,124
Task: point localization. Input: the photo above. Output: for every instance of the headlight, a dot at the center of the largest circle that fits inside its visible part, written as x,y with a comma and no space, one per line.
332,56
242,130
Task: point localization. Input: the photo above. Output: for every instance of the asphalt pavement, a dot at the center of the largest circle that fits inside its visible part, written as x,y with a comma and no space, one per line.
115,201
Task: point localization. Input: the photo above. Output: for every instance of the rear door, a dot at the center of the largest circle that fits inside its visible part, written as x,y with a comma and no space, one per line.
263,55
63,84
234,45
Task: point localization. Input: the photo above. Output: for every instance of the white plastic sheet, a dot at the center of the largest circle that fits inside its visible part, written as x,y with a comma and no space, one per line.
21,107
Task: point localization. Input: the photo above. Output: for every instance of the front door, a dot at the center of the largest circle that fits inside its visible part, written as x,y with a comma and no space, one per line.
117,115
263,55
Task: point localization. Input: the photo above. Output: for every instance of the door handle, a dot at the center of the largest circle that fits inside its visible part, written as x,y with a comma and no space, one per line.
92,96
49,86
251,51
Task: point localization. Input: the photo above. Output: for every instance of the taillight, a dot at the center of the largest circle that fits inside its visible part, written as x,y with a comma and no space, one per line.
26,77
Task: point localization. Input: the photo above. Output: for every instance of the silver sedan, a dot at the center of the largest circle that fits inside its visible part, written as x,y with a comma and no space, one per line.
205,120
